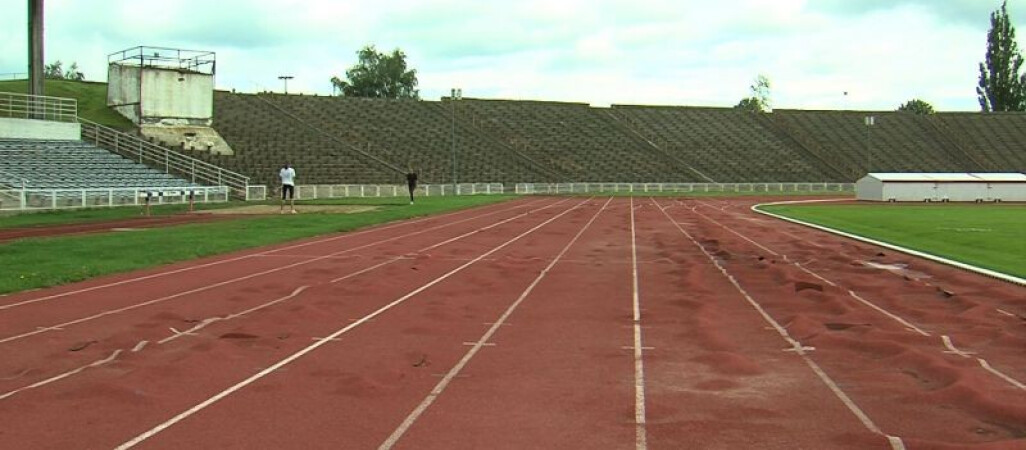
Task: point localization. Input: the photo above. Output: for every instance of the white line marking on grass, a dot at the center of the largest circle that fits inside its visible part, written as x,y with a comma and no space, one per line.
224,261
61,376
224,283
640,431
454,372
797,347
202,405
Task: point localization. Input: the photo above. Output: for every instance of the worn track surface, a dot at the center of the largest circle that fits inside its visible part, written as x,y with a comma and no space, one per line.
539,323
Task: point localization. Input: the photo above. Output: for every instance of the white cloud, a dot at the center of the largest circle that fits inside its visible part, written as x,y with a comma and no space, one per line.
883,52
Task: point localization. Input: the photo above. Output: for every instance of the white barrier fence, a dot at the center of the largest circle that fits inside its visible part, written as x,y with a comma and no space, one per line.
315,191
310,192
642,188
45,199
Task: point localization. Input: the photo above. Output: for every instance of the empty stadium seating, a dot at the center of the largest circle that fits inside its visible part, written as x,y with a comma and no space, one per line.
358,140
74,165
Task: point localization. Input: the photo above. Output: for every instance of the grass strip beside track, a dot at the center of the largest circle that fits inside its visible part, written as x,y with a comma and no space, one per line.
988,236
42,262
87,215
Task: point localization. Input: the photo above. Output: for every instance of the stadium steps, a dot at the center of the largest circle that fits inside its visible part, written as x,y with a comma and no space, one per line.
47,164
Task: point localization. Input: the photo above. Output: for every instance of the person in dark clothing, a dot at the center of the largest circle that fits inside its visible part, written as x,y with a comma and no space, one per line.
411,182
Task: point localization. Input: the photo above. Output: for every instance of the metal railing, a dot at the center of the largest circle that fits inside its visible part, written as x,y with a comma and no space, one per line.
168,160
40,107
310,192
49,199
643,188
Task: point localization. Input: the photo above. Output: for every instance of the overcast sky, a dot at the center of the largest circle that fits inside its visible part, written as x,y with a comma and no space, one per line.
675,52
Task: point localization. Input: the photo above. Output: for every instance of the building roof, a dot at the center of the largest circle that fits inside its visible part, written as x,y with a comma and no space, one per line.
951,177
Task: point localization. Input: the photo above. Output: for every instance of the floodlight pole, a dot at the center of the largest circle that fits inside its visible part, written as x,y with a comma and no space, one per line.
870,121
35,47
455,94
286,79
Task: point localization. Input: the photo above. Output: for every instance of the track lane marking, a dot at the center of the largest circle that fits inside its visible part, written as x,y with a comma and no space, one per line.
61,376
41,330
479,344
239,258
945,340
203,323
261,374
895,442
640,430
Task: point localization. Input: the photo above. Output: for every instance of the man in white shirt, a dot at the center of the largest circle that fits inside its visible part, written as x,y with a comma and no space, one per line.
288,187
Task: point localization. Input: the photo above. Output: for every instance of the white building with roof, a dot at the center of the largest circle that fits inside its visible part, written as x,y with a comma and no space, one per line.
942,187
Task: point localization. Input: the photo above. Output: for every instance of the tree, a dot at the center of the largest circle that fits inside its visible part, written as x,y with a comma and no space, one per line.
1001,88
55,71
379,75
760,98
917,106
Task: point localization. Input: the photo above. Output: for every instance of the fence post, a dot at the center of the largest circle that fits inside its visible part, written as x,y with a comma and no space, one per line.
23,198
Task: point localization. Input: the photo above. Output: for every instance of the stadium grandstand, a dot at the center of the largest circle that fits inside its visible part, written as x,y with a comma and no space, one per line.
338,140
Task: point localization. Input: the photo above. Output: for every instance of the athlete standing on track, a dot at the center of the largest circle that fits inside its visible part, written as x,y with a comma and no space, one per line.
411,181
288,186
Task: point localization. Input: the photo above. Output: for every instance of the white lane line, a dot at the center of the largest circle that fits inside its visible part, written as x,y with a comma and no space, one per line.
736,233
61,376
814,274
640,431
203,324
300,289
908,325
904,322
476,346
225,261
895,441
227,282
999,310
952,349
202,405
853,294
1001,375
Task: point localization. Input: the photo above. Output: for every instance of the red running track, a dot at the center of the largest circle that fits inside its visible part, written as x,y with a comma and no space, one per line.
540,323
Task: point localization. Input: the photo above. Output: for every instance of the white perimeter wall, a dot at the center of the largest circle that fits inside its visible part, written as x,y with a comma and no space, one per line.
39,129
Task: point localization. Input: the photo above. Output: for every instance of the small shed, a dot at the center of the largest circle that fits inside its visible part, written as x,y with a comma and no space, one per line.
942,187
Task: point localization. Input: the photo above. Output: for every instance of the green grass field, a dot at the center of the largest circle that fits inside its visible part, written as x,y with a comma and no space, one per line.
989,236
91,96
41,262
